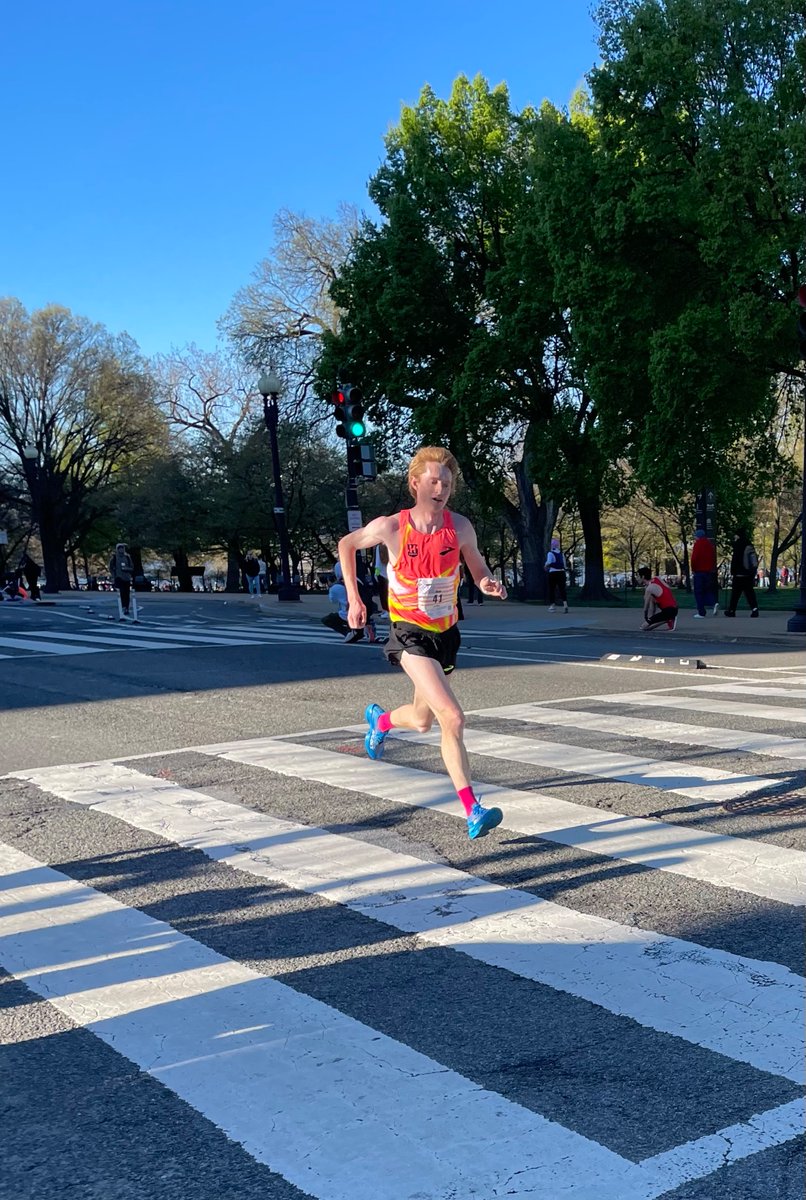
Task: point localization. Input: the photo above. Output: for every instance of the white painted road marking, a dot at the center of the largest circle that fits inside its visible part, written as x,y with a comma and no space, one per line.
761,712
748,1010
759,868
770,744
54,647
326,1101
696,782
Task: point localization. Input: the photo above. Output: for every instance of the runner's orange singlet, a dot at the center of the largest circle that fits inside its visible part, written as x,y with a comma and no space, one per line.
424,581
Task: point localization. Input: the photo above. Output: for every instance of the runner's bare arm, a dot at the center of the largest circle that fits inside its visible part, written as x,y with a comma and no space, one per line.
469,546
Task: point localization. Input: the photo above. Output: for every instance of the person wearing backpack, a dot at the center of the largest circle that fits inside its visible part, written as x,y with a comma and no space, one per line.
555,574
743,567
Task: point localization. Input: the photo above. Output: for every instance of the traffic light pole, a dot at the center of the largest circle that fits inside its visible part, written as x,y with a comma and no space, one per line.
287,590
354,517
797,622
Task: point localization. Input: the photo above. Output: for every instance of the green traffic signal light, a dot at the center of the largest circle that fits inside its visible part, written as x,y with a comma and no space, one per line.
357,429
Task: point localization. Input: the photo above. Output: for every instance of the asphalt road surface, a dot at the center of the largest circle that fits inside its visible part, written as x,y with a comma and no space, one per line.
238,959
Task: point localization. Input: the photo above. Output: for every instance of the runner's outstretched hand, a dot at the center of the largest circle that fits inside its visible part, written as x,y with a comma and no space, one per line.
491,587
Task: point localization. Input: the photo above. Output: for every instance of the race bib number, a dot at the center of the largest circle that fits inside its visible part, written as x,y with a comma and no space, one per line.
435,597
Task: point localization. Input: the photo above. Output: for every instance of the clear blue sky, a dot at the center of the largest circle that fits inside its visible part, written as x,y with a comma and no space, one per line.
148,143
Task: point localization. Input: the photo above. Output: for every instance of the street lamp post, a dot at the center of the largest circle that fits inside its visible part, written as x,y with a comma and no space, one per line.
270,385
797,622
31,456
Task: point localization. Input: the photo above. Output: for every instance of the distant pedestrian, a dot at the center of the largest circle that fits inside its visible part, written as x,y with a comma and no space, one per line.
252,573
743,567
555,574
263,576
31,571
659,602
121,568
474,593
381,575
703,574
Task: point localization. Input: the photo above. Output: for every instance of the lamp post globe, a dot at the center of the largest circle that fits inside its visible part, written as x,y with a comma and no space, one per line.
270,385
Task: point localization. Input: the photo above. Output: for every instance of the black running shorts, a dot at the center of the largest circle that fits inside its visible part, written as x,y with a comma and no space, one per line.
442,647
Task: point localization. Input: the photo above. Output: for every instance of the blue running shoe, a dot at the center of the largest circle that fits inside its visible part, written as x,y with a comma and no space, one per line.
481,820
373,742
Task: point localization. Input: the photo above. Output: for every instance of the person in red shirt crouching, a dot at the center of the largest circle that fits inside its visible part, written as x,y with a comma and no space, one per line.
659,605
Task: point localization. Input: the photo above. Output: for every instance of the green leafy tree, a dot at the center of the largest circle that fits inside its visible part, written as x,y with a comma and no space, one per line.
694,246
449,314
82,402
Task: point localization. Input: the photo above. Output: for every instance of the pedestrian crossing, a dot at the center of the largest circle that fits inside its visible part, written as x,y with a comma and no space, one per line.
303,946
96,638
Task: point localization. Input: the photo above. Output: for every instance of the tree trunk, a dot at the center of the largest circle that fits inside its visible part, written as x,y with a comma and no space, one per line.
183,570
54,560
589,515
233,583
531,524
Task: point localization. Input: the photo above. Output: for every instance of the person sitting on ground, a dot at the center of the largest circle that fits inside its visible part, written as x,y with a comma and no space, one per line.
659,603
337,621
337,595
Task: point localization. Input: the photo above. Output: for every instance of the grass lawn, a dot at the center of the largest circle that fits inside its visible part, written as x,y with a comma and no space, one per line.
782,599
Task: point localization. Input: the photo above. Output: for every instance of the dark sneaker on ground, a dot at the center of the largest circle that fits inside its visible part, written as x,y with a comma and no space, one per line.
354,635
481,820
373,742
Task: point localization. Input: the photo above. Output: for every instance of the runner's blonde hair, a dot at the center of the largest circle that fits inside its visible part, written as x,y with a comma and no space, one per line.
432,454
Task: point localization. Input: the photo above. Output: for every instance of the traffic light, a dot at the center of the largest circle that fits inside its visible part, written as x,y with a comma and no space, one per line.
353,411
802,320
349,412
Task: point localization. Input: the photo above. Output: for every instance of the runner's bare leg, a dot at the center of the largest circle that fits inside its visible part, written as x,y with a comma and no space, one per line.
432,688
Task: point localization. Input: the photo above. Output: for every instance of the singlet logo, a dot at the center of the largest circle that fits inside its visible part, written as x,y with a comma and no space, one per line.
411,551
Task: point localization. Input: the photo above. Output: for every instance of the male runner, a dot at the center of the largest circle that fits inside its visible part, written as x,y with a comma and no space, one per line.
425,544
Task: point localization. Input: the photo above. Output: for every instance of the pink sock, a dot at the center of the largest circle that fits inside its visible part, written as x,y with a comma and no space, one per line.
467,798
384,723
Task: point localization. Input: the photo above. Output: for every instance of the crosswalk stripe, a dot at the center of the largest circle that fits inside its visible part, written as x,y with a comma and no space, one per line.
101,640
773,872
699,783
145,638
51,647
318,1096
695,1160
746,689
736,1006
761,712
231,638
766,744
40,642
